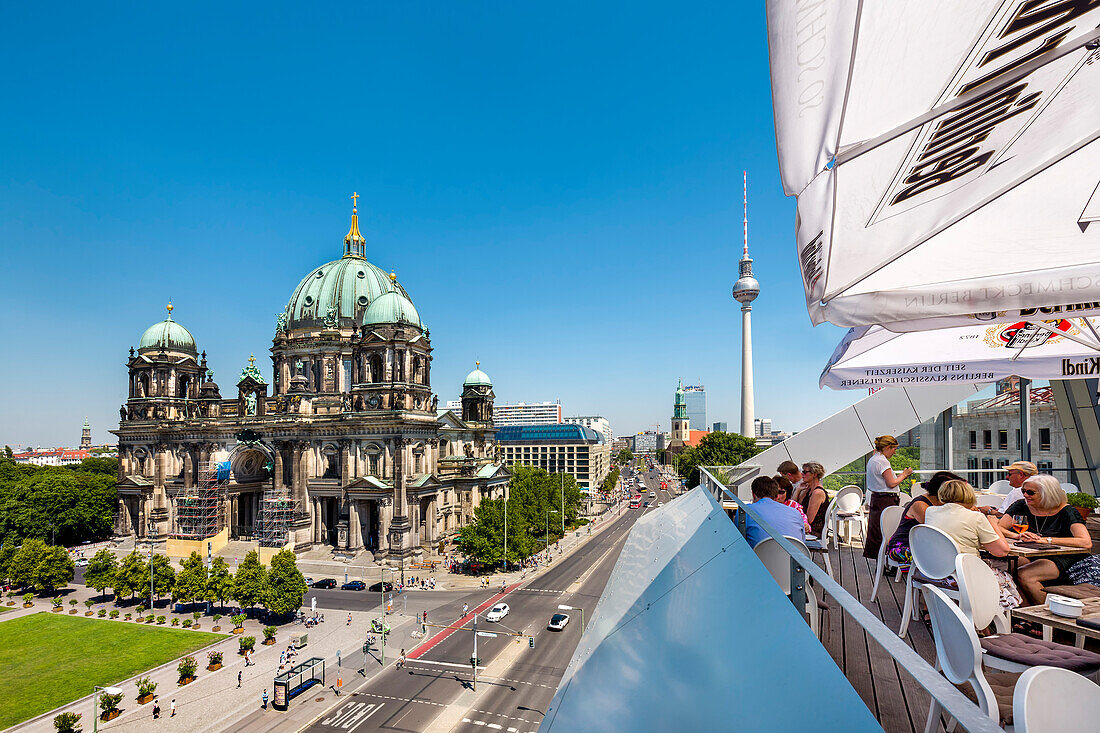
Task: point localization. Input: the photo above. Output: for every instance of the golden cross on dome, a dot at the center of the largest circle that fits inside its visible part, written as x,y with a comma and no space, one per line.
251,361
354,197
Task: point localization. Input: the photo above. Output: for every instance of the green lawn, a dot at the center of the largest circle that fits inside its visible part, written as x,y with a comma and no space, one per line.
47,659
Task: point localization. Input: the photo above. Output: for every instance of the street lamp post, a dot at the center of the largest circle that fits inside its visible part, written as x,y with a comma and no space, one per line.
573,608
563,504
95,702
152,536
505,529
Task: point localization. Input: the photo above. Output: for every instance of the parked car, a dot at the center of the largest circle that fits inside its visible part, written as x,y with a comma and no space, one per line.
386,586
81,562
325,583
558,621
497,612
309,582
354,585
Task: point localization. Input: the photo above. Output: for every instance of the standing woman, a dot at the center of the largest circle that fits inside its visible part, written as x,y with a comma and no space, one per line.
882,483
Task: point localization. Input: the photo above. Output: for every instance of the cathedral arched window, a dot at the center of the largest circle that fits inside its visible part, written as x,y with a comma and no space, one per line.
332,462
376,373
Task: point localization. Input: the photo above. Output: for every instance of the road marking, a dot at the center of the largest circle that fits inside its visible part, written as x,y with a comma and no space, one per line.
351,715
400,699
428,645
445,664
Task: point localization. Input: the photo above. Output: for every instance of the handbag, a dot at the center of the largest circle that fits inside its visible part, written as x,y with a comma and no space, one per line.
1085,571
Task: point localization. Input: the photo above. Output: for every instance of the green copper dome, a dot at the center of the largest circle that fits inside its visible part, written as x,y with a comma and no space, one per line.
168,335
336,295
477,378
391,308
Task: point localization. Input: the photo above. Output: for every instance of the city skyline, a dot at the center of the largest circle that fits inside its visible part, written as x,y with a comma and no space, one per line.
557,195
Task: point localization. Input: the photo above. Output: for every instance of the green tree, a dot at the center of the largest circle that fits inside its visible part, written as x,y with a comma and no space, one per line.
284,586
164,575
610,482
8,452
624,456
191,580
219,582
24,563
539,496
483,539
132,576
105,466
248,583
64,505
55,570
100,573
715,449
7,553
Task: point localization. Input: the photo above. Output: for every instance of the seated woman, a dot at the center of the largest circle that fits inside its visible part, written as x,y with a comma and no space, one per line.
812,496
897,547
785,498
1050,521
972,531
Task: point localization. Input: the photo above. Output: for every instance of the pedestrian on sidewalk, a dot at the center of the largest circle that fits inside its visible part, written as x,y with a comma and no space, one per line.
465,609
349,619
401,660
264,699
282,659
240,673
156,708
173,708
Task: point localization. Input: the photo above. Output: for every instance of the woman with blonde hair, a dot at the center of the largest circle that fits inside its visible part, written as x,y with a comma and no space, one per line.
882,488
1050,521
972,531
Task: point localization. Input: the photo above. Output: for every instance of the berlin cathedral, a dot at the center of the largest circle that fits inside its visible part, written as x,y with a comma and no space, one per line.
343,447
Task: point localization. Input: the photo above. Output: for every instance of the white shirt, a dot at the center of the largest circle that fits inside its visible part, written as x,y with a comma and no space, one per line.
1013,496
876,465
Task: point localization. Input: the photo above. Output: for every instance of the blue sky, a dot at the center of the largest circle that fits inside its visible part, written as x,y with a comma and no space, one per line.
558,187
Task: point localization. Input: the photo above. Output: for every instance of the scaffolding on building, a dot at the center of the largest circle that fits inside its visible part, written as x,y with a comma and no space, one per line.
200,510
277,512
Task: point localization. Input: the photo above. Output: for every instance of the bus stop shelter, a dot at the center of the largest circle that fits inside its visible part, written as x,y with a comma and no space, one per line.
297,680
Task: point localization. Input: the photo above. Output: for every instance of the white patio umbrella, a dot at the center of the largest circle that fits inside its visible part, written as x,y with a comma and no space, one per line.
945,156
872,356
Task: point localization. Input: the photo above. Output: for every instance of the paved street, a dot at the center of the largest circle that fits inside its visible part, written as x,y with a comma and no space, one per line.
435,690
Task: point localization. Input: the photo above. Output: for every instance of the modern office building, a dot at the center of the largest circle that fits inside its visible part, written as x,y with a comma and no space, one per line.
762,426
695,398
567,448
645,442
597,423
528,413
720,427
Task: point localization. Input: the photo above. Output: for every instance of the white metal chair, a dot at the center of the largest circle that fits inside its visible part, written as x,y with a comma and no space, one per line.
1001,487
778,563
958,655
888,522
1070,488
934,555
904,498
1053,700
845,509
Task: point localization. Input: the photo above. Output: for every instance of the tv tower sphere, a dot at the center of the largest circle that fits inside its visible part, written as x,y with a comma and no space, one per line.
747,287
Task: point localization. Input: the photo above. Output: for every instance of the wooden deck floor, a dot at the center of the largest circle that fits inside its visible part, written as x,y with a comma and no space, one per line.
890,693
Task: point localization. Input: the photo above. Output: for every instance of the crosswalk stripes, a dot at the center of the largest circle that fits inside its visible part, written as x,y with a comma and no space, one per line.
494,726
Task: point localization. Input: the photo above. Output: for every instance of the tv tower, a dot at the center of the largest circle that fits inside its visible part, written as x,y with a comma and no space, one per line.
745,291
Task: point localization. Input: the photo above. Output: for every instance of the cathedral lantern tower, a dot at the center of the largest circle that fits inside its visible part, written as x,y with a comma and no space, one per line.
86,436
681,428
165,373
477,396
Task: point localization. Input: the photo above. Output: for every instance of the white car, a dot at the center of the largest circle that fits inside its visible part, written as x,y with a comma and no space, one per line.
81,562
497,612
558,621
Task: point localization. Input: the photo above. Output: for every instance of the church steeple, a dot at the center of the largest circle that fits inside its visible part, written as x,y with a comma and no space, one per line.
354,243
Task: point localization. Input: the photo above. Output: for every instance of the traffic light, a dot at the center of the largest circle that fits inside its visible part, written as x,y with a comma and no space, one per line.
531,641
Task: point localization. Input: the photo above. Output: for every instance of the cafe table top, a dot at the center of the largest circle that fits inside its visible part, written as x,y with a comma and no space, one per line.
1048,551
1043,615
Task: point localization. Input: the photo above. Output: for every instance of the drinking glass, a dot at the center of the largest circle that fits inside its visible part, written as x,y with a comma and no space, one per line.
1019,523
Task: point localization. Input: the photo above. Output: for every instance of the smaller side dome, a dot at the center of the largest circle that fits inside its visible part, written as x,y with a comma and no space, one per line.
477,378
167,335
392,307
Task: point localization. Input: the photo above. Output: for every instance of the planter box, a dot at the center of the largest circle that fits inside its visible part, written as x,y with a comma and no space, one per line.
89,613
238,631
28,605
72,612
213,667
143,699
216,628
11,603
186,680
195,626
269,642
109,715
55,610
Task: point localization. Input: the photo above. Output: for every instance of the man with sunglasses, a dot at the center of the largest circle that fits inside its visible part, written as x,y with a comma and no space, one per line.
1018,472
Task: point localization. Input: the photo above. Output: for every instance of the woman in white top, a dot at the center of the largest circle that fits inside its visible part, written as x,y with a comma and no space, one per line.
972,531
882,483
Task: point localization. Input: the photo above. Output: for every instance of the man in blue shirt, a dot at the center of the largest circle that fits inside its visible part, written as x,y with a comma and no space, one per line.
781,518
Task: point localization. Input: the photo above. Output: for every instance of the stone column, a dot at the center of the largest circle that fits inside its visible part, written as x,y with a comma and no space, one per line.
385,513
355,530
345,463
278,467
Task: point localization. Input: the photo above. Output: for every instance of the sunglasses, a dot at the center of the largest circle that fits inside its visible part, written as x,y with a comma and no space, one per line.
1029,492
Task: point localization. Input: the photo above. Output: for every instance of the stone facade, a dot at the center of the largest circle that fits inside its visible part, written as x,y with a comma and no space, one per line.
349,431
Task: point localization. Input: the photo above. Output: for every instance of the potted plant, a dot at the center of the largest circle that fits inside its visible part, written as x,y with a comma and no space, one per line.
88,604
11,597
247,644
196,615
114,614
187,623
72,604
162,619
128,616
176,621
150,619
187,668
140,610
56,603
108,705
28,599
269,635
101,612
214,660
146,687
217,617
66,722
1083,503
238,623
